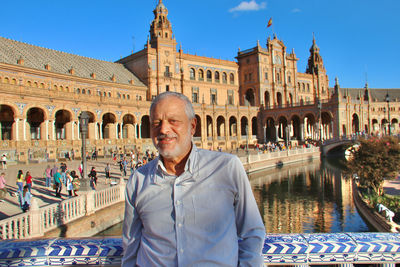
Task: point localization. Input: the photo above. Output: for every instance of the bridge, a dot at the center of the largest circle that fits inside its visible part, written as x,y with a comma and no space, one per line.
335,143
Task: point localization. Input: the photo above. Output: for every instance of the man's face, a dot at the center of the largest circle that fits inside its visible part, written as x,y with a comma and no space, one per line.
171,129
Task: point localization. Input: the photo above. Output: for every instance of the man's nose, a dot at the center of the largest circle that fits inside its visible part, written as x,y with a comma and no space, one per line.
164,127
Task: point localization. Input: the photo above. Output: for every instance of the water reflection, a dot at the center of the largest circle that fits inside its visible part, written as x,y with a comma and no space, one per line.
306,198
310,197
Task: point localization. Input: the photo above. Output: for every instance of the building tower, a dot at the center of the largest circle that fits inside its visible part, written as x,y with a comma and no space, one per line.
316,68
161,29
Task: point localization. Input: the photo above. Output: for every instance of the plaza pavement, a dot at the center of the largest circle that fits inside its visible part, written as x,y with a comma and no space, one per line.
45,196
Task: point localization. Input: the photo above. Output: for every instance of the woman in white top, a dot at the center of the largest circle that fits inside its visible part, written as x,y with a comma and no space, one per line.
69,184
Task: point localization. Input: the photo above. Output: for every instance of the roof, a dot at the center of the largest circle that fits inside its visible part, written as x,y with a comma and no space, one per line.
36,57
377,95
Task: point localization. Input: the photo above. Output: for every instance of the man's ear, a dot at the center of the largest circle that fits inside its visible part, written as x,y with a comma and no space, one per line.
193,124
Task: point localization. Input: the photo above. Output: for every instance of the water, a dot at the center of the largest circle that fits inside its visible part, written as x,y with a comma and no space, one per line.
311,197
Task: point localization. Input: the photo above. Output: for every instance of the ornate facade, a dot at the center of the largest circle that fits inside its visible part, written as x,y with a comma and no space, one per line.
260,97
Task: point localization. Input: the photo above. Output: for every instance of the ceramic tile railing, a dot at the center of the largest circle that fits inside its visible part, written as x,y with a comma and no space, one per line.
341,249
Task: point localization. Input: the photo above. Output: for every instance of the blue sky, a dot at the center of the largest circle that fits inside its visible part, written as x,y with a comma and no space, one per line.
358,39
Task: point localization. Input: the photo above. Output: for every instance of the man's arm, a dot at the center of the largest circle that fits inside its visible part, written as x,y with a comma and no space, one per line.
250,228
132,227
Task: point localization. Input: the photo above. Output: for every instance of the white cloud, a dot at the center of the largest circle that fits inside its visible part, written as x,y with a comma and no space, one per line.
296,10
249,6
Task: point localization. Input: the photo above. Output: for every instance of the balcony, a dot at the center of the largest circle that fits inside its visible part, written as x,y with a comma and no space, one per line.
168,74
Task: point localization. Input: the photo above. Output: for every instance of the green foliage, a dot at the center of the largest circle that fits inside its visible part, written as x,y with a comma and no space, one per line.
391,202
374,160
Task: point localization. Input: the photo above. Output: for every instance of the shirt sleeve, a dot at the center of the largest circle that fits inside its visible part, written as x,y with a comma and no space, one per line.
132,226
250,227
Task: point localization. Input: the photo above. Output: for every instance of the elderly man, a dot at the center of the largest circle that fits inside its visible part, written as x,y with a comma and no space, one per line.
189,206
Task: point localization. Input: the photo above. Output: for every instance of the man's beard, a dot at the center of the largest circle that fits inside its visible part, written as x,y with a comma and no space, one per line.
179,148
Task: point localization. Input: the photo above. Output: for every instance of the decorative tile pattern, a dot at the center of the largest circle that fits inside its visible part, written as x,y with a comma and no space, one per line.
279,249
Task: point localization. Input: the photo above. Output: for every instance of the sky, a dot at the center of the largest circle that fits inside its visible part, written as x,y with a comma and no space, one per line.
359,40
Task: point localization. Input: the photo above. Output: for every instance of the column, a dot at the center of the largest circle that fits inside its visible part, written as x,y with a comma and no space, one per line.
72,130
120,130
101,130
96,131
24,129
78,125
16,130
135,132
276,132
54,130
301,131
265,133
47,130
140,130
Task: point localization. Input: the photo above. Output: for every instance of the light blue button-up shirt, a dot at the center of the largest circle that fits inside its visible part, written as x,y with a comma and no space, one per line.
195,219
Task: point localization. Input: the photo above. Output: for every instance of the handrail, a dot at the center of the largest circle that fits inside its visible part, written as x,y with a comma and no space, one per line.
38,221
343,249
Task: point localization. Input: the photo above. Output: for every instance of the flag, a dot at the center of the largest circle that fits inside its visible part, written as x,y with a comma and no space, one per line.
269,22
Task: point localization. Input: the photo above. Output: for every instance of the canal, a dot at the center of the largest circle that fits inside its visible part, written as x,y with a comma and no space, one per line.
311,197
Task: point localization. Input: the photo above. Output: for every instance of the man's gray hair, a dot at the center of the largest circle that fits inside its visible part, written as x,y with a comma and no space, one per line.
188,105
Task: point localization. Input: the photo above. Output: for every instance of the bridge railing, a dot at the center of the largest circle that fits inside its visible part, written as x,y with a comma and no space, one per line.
340,249
38,221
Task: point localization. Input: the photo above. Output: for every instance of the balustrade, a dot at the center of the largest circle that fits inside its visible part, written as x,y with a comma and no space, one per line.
340,249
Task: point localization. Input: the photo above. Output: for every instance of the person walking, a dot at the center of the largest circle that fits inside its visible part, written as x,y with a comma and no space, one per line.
76,183
93,178
107,170
47,175
68,183
28,180
25,197
57,183
3,189
4,162
20,181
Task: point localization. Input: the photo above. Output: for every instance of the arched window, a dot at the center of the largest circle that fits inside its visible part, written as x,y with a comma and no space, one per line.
192,74
308,87
78,91
83,91
217,77
201,75
224,77
304,87
209,76
232,78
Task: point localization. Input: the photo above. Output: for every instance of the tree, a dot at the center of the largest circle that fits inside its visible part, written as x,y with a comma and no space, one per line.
375,160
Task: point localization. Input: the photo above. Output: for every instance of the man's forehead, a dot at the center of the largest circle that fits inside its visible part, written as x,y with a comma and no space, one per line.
169,102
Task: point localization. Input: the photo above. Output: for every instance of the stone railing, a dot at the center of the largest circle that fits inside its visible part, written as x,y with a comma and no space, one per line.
339,249
250,158
38,221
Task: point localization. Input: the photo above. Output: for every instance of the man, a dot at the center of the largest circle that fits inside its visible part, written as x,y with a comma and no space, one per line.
189,206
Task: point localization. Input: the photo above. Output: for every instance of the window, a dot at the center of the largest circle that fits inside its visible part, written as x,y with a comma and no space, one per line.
224,77
128,96
308,87
109,94
118,95
213,96
195,94
78,91
230,97
232,78
167,88
192,74
209,76
289,79
304,87
266,76
167,73
83,91
278,77
250,78
201,75
217,77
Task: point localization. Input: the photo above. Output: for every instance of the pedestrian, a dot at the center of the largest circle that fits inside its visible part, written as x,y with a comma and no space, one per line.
132,166
28,180
68,183
80,169
4,162
20,181
124,166
25,199
53,170
189,206
57,183
3,189
93,178
47,175
76,183
63,169
107,172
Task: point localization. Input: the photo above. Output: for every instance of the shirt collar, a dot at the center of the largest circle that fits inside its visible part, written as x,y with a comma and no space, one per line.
189,166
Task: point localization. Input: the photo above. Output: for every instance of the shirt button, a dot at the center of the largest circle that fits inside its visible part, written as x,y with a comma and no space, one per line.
181,250
178,202
179,225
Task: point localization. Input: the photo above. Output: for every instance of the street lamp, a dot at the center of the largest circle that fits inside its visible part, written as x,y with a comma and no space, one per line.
387,101
84,122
